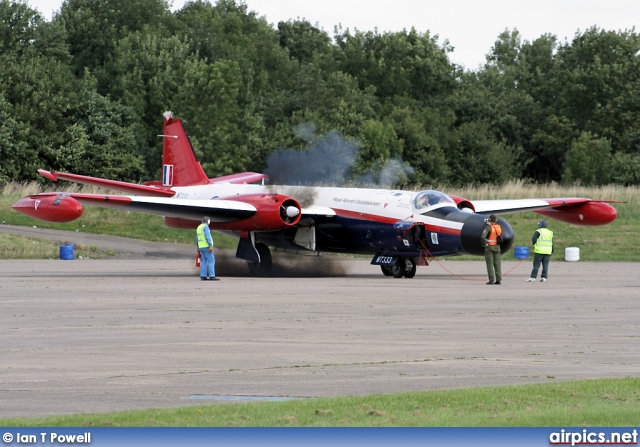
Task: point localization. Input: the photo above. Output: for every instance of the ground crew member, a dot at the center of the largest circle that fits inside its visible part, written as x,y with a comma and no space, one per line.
491,237
205,247
542,249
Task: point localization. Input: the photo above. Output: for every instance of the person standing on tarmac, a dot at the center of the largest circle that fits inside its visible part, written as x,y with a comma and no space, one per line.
542,249
205,247
491,237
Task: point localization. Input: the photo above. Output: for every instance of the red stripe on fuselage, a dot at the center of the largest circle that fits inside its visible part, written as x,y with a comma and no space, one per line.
365,216
391,221
443,230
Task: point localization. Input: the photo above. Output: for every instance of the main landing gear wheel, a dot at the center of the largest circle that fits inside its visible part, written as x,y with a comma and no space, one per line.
403,267
398,269
263,267
410,268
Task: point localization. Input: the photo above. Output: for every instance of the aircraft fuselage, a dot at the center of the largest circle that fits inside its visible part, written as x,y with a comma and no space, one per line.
365,221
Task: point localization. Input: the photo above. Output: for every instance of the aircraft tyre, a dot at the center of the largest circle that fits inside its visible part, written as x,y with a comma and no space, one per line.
386,270
410,268
398,269
263,267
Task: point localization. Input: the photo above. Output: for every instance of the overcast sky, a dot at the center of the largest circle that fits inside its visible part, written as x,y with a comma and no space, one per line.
471,26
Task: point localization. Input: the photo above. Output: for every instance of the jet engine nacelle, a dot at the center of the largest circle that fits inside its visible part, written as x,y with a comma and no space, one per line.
274,212
50,207
471,234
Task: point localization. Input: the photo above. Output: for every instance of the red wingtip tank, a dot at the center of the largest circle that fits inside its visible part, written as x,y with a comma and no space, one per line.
50,208
591,213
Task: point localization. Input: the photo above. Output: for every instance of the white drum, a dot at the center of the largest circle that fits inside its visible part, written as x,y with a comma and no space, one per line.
572,254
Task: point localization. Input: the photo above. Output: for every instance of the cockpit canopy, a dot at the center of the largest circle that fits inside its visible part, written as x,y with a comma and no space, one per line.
429,198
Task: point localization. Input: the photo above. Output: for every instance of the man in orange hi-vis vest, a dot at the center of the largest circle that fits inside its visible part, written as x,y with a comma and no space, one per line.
491,237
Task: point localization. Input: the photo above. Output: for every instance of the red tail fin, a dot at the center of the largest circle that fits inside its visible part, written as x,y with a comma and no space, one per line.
179,164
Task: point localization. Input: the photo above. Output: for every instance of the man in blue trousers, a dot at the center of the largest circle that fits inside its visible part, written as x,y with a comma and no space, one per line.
542,249
205,247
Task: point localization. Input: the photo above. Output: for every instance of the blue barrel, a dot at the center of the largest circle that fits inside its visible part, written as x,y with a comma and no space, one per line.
66,252
521,252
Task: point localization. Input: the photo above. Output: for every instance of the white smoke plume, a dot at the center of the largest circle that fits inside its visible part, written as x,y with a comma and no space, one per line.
391,172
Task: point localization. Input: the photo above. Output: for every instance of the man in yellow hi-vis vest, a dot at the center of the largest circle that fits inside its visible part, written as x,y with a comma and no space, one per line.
542,249
205,247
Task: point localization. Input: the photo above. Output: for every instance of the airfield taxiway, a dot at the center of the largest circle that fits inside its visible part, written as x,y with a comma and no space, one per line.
90,336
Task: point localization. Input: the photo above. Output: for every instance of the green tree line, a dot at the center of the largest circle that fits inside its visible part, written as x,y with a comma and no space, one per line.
84,93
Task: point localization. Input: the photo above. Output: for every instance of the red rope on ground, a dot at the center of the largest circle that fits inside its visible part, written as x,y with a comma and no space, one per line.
429,256
475,279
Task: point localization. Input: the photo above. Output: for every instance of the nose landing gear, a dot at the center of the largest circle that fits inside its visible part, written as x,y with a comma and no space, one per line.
403,267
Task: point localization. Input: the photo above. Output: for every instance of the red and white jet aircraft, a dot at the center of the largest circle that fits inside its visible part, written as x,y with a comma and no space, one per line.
401,229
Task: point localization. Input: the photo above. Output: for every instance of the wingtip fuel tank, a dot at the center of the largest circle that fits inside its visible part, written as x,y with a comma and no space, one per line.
50,208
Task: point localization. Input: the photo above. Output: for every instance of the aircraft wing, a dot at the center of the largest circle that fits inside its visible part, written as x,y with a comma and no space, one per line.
515,205
577,211
217,210
149,188
258,212
131,188
243,177
55,207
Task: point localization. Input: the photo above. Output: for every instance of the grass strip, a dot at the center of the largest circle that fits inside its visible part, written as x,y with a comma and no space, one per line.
601,402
